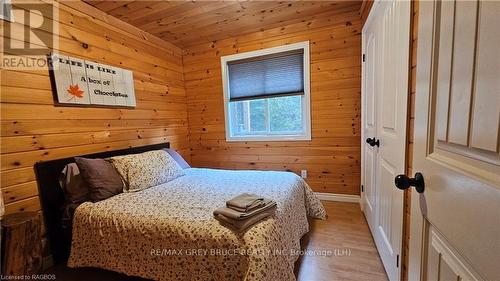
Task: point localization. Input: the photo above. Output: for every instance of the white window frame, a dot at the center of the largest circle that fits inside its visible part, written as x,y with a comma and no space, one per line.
306,99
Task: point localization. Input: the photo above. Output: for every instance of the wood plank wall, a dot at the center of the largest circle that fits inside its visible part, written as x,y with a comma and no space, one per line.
33,129
332,158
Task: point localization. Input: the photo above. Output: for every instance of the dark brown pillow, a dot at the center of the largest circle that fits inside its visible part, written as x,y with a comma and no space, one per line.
75,189
101,177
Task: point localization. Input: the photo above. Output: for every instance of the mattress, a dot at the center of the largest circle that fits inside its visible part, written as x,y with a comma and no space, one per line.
168,232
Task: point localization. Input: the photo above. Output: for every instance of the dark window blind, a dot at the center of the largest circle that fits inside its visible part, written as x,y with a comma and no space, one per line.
5,12
267,76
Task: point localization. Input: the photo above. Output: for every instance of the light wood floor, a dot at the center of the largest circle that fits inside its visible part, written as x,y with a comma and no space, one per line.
345,230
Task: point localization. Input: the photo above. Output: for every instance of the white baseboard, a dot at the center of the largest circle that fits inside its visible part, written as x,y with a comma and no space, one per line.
338,197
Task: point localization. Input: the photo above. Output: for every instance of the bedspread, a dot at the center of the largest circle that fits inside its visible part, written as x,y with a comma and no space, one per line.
168,232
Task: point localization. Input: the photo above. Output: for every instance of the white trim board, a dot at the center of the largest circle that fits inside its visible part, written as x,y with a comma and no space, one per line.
338,197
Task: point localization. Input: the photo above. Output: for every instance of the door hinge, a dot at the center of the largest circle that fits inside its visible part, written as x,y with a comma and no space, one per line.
363,57
397,261
362,188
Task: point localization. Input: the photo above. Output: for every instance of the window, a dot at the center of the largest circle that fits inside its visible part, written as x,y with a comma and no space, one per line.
266,94
6,10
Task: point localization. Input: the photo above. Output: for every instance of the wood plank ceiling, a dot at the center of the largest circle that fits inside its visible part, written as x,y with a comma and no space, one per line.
188,23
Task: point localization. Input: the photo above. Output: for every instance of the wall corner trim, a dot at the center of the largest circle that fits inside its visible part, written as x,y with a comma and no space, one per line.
338,197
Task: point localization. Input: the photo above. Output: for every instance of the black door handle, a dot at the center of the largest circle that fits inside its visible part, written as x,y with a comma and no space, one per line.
373,142
403,182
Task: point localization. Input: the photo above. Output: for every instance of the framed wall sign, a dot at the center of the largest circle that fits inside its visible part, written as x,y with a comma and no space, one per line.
83,82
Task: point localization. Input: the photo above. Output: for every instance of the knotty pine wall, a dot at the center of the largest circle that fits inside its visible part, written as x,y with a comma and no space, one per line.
332,158
33,129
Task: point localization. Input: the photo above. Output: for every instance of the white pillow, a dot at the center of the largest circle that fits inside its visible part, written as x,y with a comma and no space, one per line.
144,170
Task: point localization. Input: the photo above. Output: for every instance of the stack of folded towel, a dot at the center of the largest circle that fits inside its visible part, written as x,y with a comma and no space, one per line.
245,210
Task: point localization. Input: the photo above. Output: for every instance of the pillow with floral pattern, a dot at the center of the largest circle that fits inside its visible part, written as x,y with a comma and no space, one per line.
144,170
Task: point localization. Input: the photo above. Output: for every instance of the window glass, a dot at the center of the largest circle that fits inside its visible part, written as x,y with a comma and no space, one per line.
266,95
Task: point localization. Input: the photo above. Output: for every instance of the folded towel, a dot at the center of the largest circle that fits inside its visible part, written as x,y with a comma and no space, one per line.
233,214
256,205
242,225
244,202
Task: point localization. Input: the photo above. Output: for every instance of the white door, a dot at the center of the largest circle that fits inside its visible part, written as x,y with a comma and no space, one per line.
455,222
369,155
389,25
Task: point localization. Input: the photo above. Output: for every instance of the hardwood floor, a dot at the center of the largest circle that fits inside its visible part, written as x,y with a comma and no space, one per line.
345,233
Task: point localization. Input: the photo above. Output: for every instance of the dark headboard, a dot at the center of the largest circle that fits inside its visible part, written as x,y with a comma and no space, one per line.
52,196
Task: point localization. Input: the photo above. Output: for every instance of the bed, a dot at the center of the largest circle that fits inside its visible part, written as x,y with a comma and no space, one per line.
167,232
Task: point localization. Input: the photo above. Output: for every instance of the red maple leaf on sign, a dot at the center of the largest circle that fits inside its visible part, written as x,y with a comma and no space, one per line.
75,91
